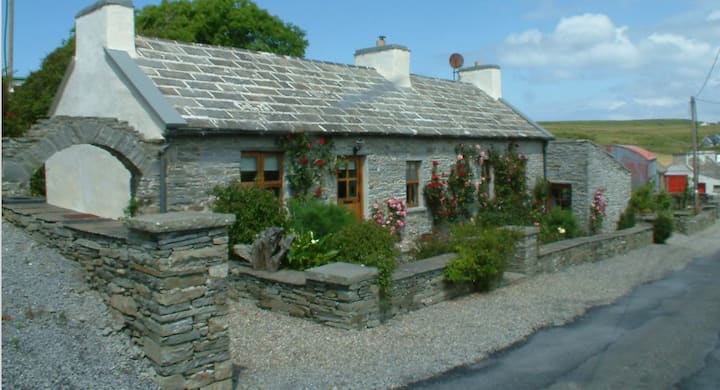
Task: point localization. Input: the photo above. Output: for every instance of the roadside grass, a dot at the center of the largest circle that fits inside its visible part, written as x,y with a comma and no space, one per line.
660,136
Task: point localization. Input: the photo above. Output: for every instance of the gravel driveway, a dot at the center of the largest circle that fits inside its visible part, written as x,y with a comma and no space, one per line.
62,336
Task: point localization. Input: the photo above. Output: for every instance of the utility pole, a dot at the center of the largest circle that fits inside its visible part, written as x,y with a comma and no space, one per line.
11,22
693,124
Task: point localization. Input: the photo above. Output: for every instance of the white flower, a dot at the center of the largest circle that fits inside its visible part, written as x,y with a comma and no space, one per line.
561,230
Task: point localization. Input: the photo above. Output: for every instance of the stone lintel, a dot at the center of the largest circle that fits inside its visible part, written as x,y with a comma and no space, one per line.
179,221
341,273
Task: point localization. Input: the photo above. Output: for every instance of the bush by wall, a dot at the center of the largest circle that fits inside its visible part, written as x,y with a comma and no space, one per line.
662,227
557,225
255,209
369,244
313,215
483,254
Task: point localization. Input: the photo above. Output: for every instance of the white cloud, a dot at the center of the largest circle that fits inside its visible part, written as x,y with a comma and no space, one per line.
577,41
658,101
713,16
529,36
676,47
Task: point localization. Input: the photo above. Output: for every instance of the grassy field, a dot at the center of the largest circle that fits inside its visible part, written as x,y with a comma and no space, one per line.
661,136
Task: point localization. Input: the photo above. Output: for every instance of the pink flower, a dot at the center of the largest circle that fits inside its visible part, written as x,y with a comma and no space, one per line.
459,157
376,206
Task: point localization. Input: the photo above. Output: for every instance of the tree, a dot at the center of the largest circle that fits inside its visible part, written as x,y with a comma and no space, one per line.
232,23
31,101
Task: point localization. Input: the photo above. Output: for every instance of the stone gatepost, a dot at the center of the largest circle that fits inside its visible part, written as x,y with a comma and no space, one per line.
525,259
179,263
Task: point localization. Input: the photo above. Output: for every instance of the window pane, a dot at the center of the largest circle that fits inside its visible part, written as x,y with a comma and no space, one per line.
248,164
352,172
412,191
248,177
271,167
411,171
353,189
272,163
342,190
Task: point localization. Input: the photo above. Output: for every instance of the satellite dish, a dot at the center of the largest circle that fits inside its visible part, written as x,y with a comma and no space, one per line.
456,60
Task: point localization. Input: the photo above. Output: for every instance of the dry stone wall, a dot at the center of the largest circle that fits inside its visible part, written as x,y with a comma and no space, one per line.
166,276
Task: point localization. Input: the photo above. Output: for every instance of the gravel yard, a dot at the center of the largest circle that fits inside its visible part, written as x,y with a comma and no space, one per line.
58,334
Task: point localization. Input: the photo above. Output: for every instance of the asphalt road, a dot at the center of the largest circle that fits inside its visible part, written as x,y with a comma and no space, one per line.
663,335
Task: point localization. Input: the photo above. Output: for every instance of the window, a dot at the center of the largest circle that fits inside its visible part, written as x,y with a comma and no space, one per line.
412,183
264,169
560,196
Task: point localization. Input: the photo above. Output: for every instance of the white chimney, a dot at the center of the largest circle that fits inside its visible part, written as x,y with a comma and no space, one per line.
485,77
105,24
391,61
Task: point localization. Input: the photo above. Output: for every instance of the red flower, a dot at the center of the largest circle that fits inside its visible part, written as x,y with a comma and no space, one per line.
318,192
303,160
321,140
9,115
435,163
320,163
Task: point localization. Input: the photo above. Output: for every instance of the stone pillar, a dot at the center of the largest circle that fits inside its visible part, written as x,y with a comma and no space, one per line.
179,263
524,259
345,295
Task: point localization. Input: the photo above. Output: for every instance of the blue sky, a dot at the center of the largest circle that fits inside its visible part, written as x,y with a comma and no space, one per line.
560,60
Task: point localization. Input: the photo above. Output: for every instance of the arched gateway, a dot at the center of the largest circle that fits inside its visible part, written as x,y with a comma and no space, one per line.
93,165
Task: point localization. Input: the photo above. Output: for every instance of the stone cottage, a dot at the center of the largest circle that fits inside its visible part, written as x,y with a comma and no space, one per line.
163,122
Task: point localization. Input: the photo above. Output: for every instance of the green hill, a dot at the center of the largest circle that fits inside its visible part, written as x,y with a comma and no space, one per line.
661,136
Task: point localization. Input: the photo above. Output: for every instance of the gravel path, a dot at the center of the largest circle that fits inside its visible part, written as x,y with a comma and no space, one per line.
56,333
62,336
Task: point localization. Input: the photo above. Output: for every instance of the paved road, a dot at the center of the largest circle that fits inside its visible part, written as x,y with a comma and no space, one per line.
664,335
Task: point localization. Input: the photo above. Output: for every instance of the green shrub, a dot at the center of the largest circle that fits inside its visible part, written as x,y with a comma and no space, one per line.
37,182
662,227
558,225
426,246
311,215
627,219
483,253
369,244
663,202
307,251
642,199
255,210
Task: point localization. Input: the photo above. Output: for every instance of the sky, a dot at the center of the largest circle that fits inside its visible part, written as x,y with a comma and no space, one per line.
560,59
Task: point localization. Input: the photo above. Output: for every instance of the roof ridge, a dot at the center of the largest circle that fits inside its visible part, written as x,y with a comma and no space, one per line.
259,52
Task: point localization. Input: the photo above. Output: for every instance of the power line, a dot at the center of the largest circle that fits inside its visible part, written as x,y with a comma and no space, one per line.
707,101
709,73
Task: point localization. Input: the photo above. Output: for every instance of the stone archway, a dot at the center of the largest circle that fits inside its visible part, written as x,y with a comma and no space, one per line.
59,134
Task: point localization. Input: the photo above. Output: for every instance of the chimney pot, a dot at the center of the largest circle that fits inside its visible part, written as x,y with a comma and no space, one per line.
380,41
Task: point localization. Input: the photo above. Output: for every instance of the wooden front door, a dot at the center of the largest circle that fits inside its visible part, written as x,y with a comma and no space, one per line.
349,185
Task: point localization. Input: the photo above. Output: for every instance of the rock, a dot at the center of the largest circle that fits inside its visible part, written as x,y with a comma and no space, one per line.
244,252
269,249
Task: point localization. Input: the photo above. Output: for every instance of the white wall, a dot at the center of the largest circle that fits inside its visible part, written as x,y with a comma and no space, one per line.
88,179
94,87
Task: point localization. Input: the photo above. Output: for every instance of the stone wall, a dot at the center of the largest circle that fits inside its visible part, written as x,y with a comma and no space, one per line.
689,224
163,274
557,255
587,168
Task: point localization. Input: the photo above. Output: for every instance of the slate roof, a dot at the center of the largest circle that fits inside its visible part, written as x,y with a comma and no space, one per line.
226,89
